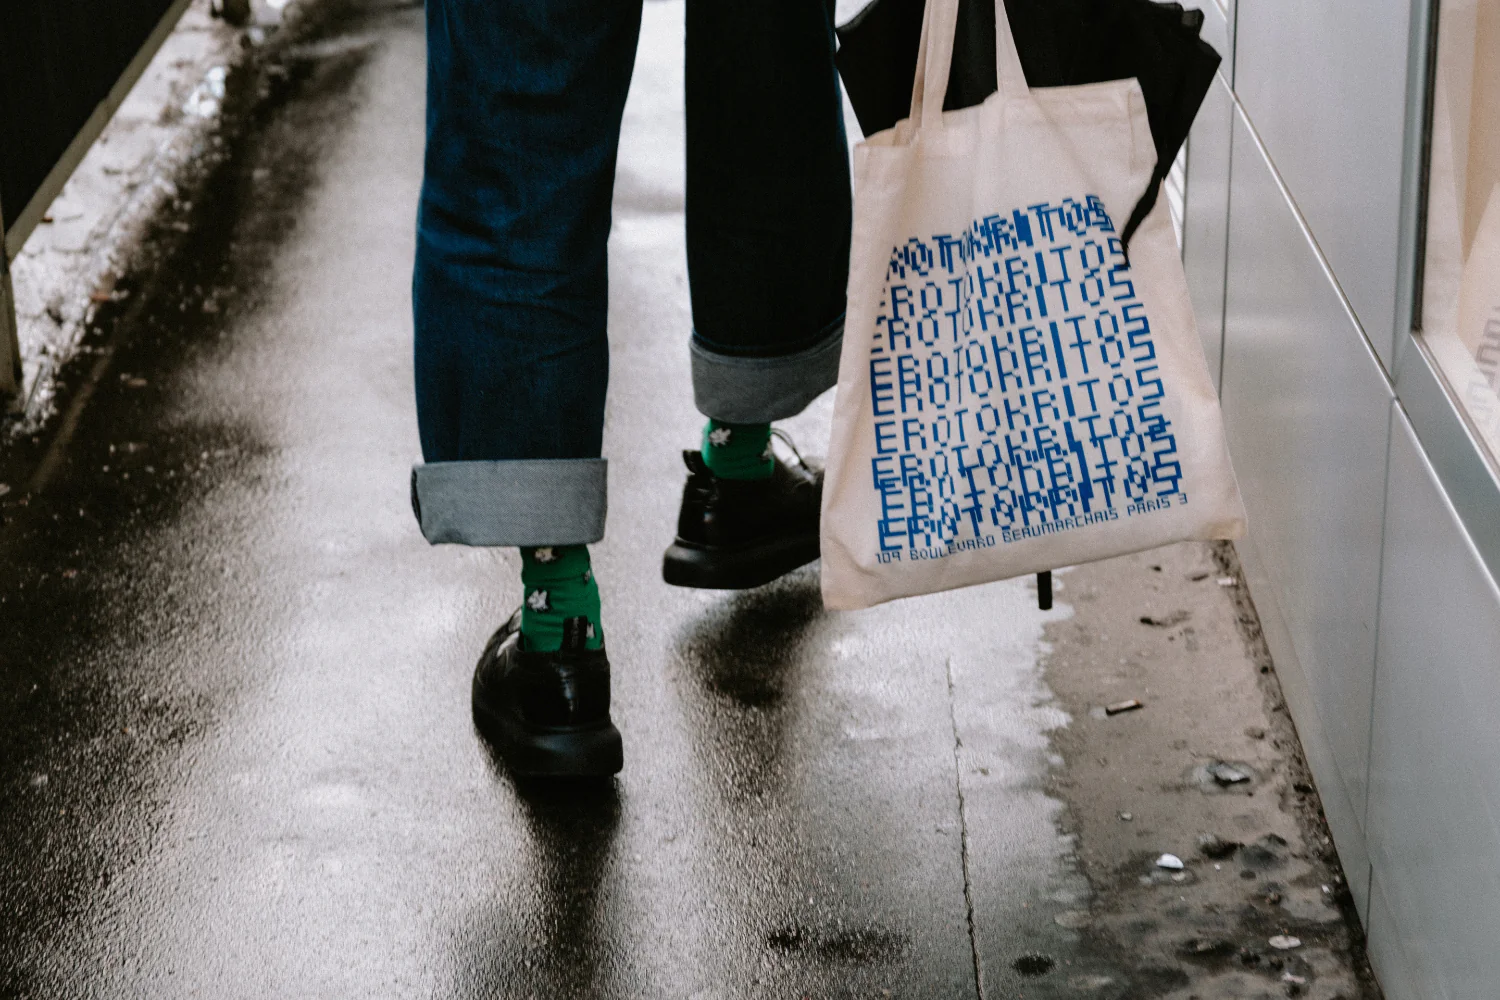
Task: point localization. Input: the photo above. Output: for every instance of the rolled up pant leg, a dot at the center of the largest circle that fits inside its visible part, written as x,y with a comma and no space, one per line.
510,290
768,205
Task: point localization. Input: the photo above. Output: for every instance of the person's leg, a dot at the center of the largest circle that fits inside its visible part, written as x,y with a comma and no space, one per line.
768,218
768,205
510,292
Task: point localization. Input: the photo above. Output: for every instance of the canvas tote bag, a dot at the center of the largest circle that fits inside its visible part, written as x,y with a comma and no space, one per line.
1014,395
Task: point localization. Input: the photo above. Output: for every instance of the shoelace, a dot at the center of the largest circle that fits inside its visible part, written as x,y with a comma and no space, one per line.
786,439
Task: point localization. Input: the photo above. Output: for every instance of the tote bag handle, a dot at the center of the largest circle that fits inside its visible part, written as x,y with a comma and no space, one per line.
935,60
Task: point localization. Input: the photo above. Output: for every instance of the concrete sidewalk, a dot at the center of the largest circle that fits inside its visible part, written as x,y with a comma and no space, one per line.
235,747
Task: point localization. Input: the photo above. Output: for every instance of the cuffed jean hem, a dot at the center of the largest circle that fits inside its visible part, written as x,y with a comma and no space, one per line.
548,501
741,390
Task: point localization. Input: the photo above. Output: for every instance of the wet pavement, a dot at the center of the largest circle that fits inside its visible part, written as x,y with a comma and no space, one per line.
236,758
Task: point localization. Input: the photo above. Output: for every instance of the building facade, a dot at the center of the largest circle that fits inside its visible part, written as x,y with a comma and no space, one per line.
1342,241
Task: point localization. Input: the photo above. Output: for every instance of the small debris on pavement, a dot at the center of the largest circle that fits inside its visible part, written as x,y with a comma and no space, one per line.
1126,817
1267,852
1123,706
1284,942
205,99
1166,621
1227,774
1216,847
1171,862
1088,983
1287,977
1227,581
1213,948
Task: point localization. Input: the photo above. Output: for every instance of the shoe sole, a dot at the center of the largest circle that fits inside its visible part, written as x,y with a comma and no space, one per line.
594,752
706,568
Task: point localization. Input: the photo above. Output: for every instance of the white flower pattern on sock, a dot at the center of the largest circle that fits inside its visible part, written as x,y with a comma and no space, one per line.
719,437
545,554
538,600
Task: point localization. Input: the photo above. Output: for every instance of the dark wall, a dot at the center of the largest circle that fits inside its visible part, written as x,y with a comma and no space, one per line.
58,60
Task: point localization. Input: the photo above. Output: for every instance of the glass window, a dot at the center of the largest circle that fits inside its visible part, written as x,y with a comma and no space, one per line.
1461,283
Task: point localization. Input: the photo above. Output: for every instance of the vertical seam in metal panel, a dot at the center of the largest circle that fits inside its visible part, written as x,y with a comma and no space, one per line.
1416,157
1224,277
1234,46
1385,517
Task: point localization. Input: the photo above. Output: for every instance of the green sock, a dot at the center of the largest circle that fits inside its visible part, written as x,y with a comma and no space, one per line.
738,451
559,584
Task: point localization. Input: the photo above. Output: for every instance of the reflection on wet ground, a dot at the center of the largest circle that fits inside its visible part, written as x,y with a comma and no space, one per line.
743,655
745,647
564,938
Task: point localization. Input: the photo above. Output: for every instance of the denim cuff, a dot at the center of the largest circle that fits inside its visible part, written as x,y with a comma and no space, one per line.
759,390
548,501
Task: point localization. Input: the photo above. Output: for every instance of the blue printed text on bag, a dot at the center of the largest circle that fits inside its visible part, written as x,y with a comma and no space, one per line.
1014,385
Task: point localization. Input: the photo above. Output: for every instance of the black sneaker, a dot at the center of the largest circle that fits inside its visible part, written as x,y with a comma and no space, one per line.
547,714
733,534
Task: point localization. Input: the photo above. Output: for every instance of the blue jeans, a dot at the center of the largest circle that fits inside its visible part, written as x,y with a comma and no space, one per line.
510,292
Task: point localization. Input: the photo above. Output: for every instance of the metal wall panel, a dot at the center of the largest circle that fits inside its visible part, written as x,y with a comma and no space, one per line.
1434,820
1453,448
1325,85
1387,950
1307,410
1205,225
1218,30
1344,821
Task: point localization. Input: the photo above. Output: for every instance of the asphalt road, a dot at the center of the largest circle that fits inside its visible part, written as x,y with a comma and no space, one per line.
236,757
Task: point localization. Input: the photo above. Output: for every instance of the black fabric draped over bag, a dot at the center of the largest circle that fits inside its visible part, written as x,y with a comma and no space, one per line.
1061,43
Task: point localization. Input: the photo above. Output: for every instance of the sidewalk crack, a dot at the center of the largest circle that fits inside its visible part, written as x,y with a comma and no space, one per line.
963,833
